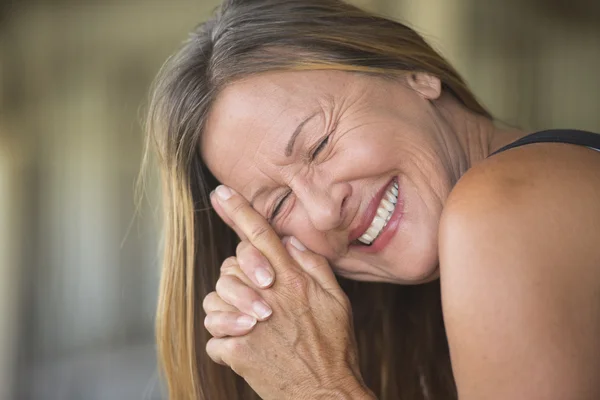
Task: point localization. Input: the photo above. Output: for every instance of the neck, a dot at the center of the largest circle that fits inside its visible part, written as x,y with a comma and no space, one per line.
473,137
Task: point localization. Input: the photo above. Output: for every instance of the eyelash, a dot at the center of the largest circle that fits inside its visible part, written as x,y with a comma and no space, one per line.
313,155
320,147
279,205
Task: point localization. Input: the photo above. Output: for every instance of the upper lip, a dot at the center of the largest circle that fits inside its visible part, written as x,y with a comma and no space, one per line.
369,214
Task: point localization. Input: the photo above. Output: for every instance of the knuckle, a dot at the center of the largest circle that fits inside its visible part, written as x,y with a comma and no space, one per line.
209,300
210,344
237,209
229,266
346,303
221,286
216,325
297,283
241,246
315,262
229,262
319,261
250,256
236,348
234,292
235,353
208,321
259,232
212,349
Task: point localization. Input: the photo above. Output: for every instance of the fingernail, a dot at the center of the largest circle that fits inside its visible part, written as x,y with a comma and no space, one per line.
245,321
297,244
263,277
223,192
261,310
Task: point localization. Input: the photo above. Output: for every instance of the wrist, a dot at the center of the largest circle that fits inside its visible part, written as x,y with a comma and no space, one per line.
346,389
361,392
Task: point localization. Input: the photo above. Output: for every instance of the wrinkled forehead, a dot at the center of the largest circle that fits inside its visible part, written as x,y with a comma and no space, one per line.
248,126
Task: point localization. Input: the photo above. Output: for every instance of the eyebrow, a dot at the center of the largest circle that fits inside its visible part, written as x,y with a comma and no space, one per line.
289,149
290,146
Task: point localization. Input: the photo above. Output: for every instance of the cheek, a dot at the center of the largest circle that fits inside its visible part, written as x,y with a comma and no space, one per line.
370,153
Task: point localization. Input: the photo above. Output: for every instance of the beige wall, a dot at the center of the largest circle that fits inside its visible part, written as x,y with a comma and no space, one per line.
532,66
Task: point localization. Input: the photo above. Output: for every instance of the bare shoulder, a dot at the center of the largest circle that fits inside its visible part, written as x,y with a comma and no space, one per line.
540,190
520,270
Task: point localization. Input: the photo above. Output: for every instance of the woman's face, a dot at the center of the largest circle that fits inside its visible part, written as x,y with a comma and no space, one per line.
315,153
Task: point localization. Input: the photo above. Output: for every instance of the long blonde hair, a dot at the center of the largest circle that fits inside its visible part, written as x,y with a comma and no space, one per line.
402,344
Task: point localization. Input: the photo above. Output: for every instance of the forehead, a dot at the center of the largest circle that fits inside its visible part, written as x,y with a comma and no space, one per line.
252,119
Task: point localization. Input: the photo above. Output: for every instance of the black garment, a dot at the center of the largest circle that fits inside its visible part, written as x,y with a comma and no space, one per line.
571,136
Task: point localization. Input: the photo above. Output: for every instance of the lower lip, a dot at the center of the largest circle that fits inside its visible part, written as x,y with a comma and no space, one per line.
388,231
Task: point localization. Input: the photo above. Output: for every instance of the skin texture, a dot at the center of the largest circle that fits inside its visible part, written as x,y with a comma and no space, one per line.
379,129
520,280
307,350
508,286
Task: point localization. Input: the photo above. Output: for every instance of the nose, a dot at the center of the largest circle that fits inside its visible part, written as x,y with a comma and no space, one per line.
324,201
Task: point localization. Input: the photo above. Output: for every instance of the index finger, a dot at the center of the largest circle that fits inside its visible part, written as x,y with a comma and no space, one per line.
221,213
256,228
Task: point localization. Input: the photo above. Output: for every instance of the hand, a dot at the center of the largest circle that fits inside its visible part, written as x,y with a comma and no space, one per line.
307,348
236,305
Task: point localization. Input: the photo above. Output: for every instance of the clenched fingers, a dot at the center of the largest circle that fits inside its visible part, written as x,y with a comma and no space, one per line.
258,231
223,319
213,302
234,292
224,323
254,264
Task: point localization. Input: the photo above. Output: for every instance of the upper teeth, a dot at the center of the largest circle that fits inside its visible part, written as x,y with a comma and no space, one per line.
384,213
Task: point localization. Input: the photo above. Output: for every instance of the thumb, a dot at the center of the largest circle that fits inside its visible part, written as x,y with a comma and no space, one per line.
313,264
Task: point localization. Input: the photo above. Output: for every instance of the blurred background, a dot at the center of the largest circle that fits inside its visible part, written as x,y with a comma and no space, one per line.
78,271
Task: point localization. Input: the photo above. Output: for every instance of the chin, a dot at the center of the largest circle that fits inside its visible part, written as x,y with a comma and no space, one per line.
419,276
421,272
421,266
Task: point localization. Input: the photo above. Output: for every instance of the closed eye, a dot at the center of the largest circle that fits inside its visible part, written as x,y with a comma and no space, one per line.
313,155
278,207
320,147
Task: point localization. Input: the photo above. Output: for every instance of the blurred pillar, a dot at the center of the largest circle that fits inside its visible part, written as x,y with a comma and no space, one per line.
10,192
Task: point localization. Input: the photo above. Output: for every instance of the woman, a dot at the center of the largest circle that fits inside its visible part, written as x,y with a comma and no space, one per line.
349,146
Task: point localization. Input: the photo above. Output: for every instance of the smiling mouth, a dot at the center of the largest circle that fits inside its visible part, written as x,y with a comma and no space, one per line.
386,208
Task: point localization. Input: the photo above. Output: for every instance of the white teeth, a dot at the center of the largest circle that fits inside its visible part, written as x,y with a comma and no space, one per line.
378,223
384,213
372,232
387,205
366,238
390,197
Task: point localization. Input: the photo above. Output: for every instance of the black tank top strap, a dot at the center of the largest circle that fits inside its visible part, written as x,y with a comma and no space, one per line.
570,136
